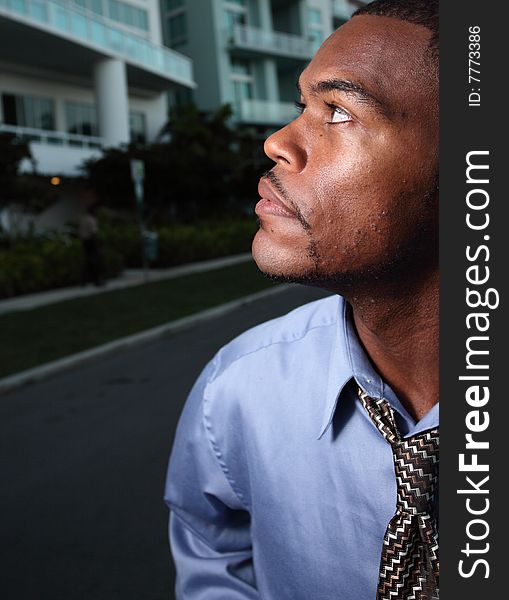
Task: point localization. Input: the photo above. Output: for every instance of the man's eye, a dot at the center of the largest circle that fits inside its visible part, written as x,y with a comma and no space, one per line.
300,106
338,115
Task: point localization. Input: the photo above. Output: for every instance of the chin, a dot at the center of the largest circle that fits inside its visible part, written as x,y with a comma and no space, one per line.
281,262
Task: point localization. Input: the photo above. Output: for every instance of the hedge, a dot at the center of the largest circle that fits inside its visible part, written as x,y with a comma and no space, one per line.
182,244
37,264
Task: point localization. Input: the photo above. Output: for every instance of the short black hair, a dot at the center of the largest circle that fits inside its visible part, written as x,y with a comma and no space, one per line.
419,12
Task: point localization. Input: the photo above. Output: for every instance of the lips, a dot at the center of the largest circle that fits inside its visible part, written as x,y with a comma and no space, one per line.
271,203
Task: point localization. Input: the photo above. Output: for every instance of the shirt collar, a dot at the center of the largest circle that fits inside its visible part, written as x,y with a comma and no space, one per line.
349,360
339,371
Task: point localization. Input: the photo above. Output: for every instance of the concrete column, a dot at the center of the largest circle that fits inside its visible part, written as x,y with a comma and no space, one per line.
110,83
301,15
60,116
271,80
265,15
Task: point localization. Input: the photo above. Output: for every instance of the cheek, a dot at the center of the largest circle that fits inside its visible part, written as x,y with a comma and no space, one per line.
348,192
359,214
366,192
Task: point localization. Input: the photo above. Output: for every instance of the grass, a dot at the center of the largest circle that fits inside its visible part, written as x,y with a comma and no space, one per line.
40,335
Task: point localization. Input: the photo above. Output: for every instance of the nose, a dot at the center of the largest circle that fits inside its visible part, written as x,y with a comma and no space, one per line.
283,148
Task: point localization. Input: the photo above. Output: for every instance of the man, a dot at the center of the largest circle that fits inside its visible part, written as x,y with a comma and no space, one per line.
88,230
306,460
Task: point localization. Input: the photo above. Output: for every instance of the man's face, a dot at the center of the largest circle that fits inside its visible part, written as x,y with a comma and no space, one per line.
357,170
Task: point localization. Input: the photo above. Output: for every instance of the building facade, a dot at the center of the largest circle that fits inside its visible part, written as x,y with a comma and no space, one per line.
80,75
249,53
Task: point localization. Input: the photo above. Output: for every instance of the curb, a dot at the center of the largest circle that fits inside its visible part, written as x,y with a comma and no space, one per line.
46,370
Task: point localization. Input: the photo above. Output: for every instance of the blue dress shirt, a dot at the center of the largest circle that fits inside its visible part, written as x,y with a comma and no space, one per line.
280,486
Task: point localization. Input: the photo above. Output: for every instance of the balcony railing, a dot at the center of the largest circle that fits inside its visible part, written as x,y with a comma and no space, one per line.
54,138
71,22
265,112
342,9
271,42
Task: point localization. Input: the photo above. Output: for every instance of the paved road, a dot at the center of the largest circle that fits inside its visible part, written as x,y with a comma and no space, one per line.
82,465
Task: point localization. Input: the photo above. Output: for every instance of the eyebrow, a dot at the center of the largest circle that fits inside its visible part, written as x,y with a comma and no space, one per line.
359,92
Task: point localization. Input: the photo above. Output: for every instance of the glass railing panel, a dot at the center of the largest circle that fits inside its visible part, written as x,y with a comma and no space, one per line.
19,6
268,112
271,41
79,26
60,20
54,141
99,34
38,10
54,138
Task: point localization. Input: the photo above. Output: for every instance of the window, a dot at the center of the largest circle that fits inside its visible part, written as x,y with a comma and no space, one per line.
96,6
314,16
183,97
137,127
29,111
177,27
122,12
126,14
316,38
241,67
114,10
175,23
235,13
242,91
81,118
234,18
242,82
173,4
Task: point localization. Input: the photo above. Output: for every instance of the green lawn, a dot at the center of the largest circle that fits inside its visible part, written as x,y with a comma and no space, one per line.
33,337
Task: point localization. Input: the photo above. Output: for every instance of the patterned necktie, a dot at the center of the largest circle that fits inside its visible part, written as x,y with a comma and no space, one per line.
409,566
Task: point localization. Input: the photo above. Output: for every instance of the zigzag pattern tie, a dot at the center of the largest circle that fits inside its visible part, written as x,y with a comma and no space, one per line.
409,566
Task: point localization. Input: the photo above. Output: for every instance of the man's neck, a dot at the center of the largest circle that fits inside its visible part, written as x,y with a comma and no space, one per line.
398,327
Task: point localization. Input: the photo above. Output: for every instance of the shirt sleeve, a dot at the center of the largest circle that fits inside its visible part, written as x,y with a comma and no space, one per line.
209,519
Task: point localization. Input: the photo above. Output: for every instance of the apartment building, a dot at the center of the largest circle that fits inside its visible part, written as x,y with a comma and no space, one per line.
80,75
249,53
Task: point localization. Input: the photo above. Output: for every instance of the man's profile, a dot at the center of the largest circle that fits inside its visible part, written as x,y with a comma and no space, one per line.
306,459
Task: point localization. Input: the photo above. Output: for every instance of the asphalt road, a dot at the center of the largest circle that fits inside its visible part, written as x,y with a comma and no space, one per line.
83,457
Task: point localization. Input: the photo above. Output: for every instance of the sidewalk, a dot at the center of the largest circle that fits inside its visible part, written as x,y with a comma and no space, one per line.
129,278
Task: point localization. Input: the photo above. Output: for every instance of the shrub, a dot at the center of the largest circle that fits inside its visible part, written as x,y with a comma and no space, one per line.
180,244
36,264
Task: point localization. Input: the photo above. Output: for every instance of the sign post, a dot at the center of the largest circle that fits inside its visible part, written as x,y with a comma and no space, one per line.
138,177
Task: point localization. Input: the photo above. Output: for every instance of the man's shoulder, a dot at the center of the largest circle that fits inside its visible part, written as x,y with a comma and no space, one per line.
276,335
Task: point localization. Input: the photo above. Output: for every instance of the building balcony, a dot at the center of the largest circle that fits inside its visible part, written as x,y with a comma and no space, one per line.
41,23
265,112
251,40
56,151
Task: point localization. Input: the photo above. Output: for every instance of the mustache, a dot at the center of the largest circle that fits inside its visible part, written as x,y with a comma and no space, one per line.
279,187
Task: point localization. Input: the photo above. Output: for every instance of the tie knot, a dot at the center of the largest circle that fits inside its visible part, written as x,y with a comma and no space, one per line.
415,458
382,415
